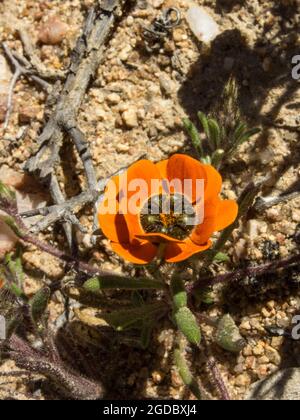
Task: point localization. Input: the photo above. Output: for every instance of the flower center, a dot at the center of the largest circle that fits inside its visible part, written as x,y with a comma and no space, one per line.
172,215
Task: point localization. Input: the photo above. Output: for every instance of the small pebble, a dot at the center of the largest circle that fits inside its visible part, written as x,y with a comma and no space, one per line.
202,24
130,118
53,31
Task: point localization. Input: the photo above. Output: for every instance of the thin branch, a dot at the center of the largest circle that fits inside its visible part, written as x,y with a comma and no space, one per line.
85,60
35,61
24,235
70,261
58,198
20,70
237,275
58,212
217,378
264,203
216,375
12,85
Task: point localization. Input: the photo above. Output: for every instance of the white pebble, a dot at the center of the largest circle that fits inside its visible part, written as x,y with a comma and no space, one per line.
202,24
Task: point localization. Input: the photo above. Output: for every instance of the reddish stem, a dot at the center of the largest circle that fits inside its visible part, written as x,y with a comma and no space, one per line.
236,275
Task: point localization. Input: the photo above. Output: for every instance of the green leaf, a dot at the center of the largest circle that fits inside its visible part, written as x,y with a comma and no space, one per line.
217,157
10,222
206,160
246,136
137,298
15,289
38,304
185,374
6,193
194,134
221,257
12,324
204,295
96,284
238,132
15,267
126,318
214,134
146,333
178,292
228,335
187,324
204,122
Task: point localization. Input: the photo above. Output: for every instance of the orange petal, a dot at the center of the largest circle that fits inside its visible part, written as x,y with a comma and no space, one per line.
114,227
183,167
134,226
203,231
226,214
139,183
180,252
142,253
162,167
213,183
157,237
137,186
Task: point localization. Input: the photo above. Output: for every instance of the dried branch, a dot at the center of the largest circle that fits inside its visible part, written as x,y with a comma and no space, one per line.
237,275
48,363
63,211
34,60
19,70
264,203
85,59
217,378
216,375
20,229
70,261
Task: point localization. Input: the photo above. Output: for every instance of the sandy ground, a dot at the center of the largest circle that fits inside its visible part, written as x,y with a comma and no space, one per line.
135,108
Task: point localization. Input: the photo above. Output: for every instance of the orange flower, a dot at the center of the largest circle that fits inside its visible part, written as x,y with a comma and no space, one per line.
136,236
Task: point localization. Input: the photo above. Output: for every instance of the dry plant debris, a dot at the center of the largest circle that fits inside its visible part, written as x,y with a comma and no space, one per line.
84,95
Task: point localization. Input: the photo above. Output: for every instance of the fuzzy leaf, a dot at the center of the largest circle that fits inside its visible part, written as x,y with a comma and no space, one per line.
16,291
247,135
238,132
228,335
185,374
146,333
214,134
39,302
217,157
128,317
137,298
12,324
194,134
178,292
15,267
6,193
221,257
12,225
204,121
204,295
187,324
96,284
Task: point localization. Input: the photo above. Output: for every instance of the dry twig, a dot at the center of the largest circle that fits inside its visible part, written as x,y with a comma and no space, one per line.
237,275
20,69
85,59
